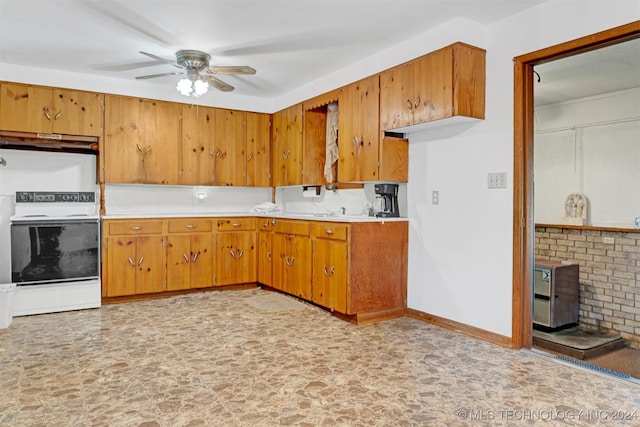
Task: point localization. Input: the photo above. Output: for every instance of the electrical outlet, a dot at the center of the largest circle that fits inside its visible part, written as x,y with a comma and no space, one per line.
435,197
608,240
497,180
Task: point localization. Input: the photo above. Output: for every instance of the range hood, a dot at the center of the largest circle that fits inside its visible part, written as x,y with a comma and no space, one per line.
49,142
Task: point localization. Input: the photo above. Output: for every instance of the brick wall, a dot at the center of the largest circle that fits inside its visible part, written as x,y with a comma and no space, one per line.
609,274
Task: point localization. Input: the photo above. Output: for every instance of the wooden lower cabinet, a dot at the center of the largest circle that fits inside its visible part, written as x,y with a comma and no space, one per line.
357,269
292,258
135,258
265,252
329,280
236,251
190,254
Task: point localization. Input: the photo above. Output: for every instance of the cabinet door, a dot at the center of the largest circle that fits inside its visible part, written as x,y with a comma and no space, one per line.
196,145
279,259
178,262
230,144
121,266
258,150
298,281
245,257
77,112
265,258
397,97
225,259
150,264
359,135
329,282
202,260
287,146
25,108
160,147
123,140
433,93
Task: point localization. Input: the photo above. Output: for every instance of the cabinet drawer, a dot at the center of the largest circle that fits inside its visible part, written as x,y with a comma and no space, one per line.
135,227
190,225
236,224
265,224
329,230
300,228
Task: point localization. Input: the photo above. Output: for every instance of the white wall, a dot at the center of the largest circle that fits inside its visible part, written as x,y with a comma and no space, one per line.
590,146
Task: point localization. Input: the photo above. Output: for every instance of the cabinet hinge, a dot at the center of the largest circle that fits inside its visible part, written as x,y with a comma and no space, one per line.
106,244
379,164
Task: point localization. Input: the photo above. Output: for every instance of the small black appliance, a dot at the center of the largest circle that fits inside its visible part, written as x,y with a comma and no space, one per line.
386,203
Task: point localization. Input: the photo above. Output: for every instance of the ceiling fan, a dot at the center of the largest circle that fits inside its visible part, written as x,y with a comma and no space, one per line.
199,74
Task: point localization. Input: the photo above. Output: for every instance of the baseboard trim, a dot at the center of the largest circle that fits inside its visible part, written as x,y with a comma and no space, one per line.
471,331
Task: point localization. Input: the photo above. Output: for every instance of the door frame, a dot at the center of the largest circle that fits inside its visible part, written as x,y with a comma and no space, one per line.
523,220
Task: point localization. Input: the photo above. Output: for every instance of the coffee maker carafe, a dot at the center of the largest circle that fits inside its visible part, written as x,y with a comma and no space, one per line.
386,203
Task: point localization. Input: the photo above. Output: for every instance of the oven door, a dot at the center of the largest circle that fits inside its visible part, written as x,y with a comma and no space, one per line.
53,251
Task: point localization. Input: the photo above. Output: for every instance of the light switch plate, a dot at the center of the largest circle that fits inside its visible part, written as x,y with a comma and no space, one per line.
497,180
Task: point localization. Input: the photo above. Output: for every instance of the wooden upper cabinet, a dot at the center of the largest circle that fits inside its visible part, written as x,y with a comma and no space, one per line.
197,155
141,141
229,147
445,83
359,136
287,147
258,153
42,109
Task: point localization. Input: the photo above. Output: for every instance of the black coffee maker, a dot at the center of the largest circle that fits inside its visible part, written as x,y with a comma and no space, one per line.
386,203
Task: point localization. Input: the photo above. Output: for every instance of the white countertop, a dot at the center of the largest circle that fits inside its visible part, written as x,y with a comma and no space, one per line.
284,215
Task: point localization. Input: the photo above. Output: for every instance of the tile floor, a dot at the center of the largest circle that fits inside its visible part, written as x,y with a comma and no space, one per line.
213,359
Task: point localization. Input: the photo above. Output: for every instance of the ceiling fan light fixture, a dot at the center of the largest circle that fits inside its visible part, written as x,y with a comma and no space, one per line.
192,87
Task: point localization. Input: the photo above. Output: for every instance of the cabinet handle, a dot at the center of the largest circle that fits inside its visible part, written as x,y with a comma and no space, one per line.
250,156
269,256
190,226
286,259
329,231
47,115
240,253
147,149
293,259
233,254
186,258
135,228
139,148
140,260
57,116
218,154
355,142
290,236
131,262
409,104
266,224
195,256
236,224
286,154
211,152
330,271
416,102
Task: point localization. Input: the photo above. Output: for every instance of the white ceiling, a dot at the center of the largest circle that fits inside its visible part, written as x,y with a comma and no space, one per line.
289,42
604,70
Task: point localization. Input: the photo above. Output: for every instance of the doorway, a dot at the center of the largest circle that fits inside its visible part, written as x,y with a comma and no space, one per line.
523,218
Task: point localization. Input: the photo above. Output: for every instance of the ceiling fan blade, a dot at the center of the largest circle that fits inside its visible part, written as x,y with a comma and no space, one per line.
157,58
153,76
239,69
218,84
